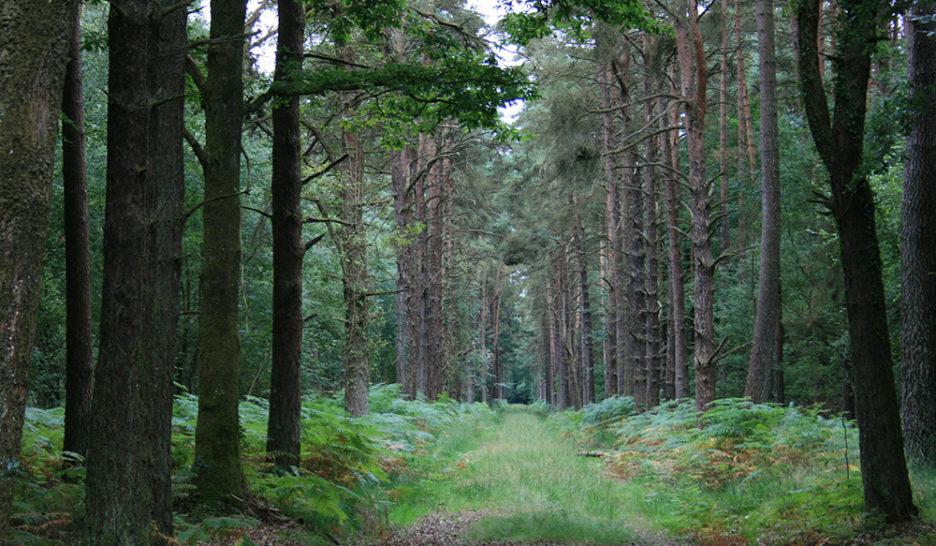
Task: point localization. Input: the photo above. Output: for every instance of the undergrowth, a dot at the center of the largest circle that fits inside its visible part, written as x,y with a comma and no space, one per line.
338,491
742,472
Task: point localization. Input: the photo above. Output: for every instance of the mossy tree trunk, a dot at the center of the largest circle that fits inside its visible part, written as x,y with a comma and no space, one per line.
218,470
34,38
288,249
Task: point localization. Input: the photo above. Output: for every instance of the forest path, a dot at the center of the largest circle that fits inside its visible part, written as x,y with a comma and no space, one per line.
526,484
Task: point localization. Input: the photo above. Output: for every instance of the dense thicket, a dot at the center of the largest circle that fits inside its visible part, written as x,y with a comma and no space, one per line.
358,214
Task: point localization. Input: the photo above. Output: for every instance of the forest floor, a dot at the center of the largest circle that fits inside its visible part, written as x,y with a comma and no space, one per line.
527,484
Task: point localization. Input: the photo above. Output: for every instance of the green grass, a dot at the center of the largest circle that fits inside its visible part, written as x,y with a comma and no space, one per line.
532,485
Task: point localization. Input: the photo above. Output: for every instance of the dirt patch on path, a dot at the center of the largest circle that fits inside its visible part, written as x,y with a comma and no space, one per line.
443,529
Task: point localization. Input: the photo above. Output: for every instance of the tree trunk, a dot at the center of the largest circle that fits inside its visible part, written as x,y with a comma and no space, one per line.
497,374
609,251
839,140
723,126
764,350
79,370
217,462
651,230
435,277
288,249
34,39
693,77
129,498
678,360
918,244
403,212
587,351
352,246
746,163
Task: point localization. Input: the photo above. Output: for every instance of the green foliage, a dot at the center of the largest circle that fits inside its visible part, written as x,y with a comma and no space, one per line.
532,19
346,464
613,407
780,474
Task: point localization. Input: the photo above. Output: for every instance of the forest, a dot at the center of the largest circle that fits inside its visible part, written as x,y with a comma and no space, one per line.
426,271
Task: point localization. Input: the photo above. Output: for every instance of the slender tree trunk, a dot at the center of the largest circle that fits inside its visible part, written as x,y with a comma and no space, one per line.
128,494
587,351
723,126
354,278
764,350
561,358
693,76
652,263
918,244
403,209
288,249
746,163
34,39
497,373
677,289
435,278
79,371
839,139
217,436
609,269
549,321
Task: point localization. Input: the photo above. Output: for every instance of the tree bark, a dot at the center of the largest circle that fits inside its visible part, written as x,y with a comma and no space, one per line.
288,249
353,249
693,78
129,498
678,359
587,346
79,370
918,243
764,349
35,40
435,279
217,464
839,139
610,249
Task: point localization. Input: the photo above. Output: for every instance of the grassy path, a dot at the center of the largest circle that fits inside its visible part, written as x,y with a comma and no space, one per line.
526,483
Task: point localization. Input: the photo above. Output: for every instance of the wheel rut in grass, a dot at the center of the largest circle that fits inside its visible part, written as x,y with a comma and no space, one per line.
526,484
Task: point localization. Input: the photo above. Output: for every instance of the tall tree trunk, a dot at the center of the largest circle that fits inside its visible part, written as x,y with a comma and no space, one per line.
587,346
497,392
79,371
764,348
693,77
403,212
167,95
559,315
746,163
652,264
549,321
918,244
217,462
677,289
288,249
609,251
34,37
839,139
353,248
435,278
128,494
723,125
